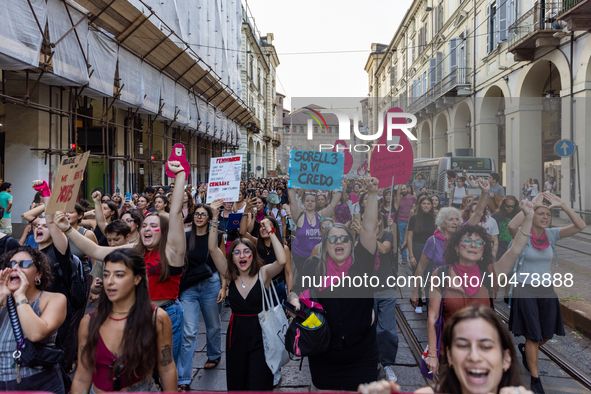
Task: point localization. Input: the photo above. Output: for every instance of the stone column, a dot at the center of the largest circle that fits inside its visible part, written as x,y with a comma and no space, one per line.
439,145
487,140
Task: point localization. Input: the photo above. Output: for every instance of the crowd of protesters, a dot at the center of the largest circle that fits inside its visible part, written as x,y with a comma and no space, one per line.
119,283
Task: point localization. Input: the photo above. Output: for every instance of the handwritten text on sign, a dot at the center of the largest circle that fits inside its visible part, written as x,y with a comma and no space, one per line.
67,184
224,178
316,170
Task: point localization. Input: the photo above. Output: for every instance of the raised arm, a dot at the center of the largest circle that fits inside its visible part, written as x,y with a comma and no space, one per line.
578,224
88,247
368,236
506,261
34,213
270,270
518,219
216,254
485,189
295,207
101,222
336,198
60,241
176,244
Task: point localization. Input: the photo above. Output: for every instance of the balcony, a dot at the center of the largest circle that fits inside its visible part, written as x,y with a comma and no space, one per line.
535,29
577,14
276,139
456,83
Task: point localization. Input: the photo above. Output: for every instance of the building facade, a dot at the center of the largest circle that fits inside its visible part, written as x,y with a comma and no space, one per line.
498,79
124,80
258,76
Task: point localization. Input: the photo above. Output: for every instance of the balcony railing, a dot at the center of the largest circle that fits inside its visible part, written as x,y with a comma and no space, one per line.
542,17
456,79
568,4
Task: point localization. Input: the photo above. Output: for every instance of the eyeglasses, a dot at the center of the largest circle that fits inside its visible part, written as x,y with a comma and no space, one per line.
479,243
201,214
334,238
239,253
128,220
105,200
22,263
509,206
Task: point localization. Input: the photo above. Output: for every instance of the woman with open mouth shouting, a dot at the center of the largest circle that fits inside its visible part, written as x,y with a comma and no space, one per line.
163,250
469,276
352,355
535,309
246,368
25,274
480,357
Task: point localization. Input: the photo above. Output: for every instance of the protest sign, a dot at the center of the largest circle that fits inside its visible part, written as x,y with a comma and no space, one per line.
272,174
178,154
67,183
224,178
316,170
389,160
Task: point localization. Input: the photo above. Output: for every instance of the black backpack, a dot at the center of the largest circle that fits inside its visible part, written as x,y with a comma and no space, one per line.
76,283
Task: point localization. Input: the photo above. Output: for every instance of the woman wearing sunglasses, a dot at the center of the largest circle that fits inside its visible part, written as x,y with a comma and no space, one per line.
246,368
535,309
353,353
200,289
468,258
25,274
508,208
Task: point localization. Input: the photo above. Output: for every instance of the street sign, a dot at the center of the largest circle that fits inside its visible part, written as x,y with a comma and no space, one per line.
564,148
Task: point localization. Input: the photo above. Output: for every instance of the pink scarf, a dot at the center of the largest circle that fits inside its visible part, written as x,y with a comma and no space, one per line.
260,215
332,270
540,242
437,234
470,272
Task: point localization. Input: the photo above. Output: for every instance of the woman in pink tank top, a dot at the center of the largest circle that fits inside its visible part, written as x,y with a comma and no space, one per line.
126,337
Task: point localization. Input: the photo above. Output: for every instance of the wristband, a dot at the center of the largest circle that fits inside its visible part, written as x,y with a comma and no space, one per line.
272,231
21,302
523,232
180,172
44,189
68,231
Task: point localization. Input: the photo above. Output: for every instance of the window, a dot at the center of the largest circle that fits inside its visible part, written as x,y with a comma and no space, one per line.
330,130
316,129
302,129
491,27
393,76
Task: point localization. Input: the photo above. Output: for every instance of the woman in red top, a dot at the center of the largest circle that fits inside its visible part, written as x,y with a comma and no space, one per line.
163,250
468,253
123,338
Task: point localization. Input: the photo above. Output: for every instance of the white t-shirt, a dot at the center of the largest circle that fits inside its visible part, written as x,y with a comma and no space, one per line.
547,186
279,215
490,225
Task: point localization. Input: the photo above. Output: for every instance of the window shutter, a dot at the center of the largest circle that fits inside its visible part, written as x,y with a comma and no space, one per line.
488,32
392,76
439,66
453,57
502,18
432,72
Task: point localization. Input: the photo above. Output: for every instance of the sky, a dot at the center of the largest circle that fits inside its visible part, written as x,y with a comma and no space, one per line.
325,26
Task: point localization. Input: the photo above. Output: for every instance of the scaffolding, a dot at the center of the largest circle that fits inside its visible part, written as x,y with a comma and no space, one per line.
207,114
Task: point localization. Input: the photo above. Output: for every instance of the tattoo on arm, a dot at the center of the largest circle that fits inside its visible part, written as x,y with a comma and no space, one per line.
166,356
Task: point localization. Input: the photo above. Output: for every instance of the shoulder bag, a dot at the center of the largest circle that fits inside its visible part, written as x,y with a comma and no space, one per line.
274,326
306,341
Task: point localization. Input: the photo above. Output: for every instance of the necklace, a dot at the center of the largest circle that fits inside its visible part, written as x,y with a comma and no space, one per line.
120,313
133,240
243,285
268,250
123,318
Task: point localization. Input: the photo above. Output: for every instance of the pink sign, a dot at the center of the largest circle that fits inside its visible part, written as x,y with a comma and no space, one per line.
348,156
178,154
388,160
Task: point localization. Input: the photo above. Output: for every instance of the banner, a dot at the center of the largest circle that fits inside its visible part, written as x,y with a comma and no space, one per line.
224,178
316,170
67,183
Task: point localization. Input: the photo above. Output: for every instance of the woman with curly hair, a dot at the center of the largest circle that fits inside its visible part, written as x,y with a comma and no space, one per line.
25,274
468,255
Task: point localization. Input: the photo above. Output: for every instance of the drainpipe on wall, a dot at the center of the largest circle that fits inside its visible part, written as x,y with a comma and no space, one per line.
474,71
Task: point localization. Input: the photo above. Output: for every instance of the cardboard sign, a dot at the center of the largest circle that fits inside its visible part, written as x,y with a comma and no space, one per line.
178,154
272,174
67,183
316,170
224,178
389,161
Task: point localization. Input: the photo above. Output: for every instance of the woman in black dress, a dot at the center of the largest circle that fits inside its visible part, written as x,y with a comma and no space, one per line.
352,358
246,368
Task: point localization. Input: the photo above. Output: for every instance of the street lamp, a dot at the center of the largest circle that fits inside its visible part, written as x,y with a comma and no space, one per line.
500,119
550,103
